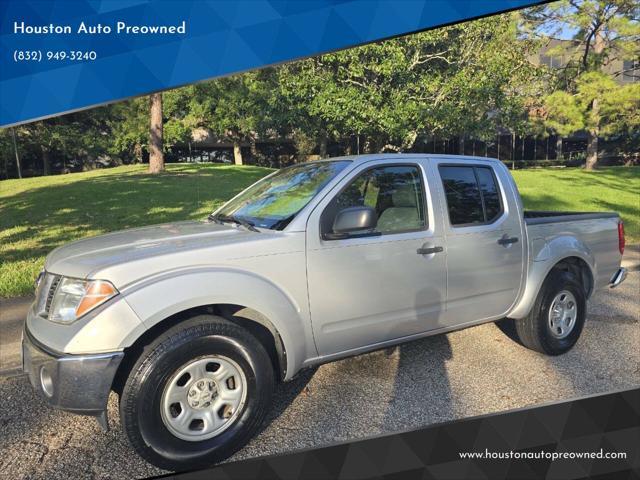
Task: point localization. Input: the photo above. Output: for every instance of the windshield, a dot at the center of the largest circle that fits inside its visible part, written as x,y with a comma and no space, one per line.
274,201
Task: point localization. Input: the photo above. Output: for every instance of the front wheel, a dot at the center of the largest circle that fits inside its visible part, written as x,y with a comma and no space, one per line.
556,320
197,394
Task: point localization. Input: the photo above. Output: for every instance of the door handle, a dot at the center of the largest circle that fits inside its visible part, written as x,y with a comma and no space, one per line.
507,240
429,250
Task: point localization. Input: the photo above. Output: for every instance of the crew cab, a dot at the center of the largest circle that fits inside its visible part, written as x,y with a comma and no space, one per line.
192,323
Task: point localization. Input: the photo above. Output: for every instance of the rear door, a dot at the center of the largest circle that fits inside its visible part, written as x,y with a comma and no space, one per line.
484,239
371,289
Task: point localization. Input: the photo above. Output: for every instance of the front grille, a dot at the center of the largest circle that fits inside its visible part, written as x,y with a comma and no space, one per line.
44,293
51,293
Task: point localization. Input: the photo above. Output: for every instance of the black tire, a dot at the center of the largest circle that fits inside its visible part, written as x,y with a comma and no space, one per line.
534,331
140,410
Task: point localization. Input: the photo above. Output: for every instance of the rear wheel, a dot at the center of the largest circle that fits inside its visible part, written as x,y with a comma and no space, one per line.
556,320
197,394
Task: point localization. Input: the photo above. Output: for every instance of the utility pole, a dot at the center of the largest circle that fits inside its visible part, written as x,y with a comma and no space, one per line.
15,149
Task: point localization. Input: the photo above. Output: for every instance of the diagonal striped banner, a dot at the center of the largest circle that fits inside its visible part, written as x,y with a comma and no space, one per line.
62,55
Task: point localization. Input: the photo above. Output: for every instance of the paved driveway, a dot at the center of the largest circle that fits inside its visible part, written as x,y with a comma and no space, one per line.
471,372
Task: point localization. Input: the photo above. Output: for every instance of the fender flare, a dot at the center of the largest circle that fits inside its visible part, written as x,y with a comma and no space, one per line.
154,300
554,252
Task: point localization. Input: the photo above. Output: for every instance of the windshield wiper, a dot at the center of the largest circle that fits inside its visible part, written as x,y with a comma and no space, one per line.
282,223
213,218
237,220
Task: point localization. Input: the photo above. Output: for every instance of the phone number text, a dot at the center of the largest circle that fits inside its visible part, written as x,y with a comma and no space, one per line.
54,55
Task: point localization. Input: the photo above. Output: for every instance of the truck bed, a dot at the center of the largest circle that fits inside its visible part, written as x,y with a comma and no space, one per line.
539,217
597,232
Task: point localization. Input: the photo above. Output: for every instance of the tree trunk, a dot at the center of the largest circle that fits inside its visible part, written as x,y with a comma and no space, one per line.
368,145
237,152
137,152
559,154
15,149
592,148
156,155
546,151
592,140
255,153
322,146
348,149
45,160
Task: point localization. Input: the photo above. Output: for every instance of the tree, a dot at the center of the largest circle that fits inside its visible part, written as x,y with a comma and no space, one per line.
233,108
129,125
604,30
617,113
156,153
129,128
45,136
462,79
177,130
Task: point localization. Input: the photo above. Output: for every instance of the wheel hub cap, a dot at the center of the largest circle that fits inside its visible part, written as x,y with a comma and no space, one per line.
203,398
201,393
563,314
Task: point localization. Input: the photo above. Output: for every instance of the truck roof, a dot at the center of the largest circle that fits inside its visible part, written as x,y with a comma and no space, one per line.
379,156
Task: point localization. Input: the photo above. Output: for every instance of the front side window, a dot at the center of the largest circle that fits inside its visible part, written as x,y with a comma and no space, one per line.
395,192
472,194
274,201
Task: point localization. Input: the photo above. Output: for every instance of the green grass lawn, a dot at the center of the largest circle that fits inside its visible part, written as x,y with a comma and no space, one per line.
39,214
614,189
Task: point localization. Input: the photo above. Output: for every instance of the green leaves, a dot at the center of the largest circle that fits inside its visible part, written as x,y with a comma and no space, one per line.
617,111
565,115
620,111
441,83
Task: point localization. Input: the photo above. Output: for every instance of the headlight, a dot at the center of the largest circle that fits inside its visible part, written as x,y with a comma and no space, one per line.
74,297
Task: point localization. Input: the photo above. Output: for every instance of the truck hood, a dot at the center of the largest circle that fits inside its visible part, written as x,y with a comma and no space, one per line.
88,257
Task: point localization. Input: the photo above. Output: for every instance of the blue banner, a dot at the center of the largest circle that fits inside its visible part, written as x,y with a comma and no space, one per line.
61,55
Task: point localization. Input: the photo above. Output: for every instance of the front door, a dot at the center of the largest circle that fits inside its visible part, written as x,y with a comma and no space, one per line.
373,288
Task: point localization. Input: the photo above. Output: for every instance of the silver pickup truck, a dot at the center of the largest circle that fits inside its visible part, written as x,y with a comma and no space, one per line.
192,323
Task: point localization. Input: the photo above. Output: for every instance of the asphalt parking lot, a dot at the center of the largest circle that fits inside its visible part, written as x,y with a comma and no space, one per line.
471,372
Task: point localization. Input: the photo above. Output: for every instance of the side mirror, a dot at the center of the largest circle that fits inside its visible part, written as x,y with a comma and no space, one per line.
353,221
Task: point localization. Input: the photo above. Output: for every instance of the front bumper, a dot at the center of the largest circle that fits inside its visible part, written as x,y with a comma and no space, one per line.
77,383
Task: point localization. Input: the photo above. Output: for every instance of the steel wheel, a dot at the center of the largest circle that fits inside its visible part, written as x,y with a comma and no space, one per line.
203,398
562,314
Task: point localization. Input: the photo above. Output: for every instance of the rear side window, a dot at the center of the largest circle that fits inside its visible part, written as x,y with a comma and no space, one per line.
463,195
490,194
472,194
